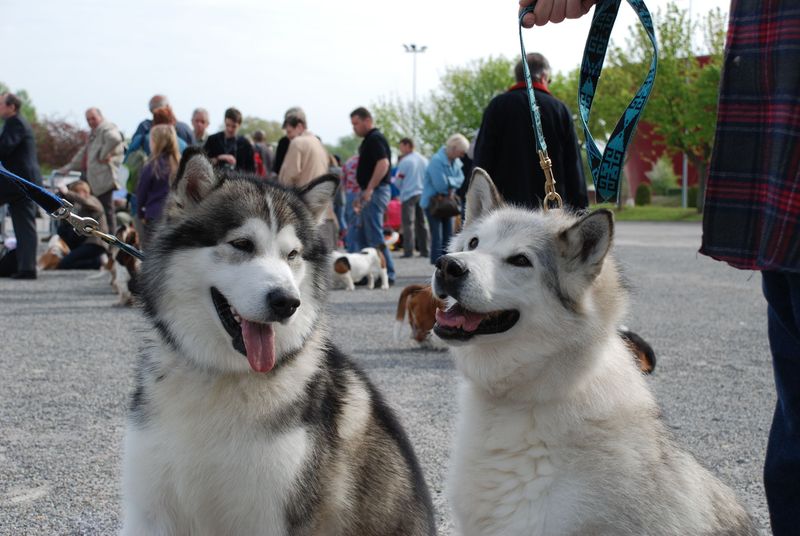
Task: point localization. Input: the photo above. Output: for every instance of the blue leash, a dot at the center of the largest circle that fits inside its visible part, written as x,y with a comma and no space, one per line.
60,209
551,196
606,167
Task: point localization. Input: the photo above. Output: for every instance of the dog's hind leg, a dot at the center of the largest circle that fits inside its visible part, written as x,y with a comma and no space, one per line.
384,279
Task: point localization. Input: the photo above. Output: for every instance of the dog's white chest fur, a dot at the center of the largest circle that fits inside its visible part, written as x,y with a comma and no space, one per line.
501,481
206,469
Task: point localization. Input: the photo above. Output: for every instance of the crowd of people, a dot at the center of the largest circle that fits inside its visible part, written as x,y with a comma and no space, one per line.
750,213
427,195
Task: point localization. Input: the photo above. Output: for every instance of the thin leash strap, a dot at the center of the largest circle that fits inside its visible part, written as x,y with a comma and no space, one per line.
551,196
606,167
60,209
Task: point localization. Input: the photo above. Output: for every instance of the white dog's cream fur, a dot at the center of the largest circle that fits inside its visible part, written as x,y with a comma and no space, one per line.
558,432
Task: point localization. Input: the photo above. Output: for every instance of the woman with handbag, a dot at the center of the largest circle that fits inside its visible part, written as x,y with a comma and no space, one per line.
443,176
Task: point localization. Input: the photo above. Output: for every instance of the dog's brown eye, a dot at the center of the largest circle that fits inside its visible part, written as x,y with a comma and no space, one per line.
519,260
243,244
473,243
292,255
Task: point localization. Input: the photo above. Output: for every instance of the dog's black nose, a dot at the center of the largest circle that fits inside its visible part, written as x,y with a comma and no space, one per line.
282,304
448,267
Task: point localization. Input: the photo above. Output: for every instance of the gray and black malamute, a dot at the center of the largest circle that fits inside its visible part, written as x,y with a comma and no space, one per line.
245,419
558,433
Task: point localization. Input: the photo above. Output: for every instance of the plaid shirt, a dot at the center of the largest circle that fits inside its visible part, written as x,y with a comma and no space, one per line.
752,209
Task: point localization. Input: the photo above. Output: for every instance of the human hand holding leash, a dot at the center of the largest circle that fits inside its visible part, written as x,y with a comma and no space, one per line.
366,196
554,11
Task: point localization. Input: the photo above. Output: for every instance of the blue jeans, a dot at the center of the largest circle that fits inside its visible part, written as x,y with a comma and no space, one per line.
782,464
83,257
371,234
352,240
441,231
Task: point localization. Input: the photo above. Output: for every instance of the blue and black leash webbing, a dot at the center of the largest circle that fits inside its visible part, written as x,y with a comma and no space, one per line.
60,209
606,167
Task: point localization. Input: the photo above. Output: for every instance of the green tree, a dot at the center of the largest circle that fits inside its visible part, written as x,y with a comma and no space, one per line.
683,106
345,147
28,110
272,129
395,119
455,106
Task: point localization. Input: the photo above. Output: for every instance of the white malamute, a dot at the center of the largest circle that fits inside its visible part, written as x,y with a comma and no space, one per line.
558,432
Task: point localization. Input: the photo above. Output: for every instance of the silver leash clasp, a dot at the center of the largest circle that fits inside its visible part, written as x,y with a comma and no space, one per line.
83,226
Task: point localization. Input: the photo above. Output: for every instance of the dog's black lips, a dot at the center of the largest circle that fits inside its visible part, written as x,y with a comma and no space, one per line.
495,322
228,321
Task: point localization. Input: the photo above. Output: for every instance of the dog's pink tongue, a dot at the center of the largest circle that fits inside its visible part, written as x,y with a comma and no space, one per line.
458,317
259,341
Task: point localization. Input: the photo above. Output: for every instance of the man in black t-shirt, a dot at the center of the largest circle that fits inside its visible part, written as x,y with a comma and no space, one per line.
372,175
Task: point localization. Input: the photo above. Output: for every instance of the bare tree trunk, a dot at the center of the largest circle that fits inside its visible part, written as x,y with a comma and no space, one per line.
702,170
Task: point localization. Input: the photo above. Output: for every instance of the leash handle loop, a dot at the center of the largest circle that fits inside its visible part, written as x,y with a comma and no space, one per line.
606,167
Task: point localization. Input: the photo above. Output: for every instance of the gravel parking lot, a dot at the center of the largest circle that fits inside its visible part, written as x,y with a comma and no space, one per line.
67,357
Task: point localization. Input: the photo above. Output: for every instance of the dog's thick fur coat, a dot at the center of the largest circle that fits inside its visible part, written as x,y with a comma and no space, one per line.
245,419
558,433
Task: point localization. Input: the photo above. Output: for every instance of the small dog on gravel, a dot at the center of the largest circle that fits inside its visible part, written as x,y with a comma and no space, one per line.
57,249
125,267
421,305
348,268
558,432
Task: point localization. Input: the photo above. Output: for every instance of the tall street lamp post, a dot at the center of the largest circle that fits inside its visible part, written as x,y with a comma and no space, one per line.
414,49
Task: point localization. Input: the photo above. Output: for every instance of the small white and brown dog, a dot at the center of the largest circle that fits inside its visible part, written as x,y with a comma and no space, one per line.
351,267
421,305
125,267
57,249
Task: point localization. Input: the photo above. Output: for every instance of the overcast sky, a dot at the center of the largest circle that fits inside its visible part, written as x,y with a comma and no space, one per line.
262,56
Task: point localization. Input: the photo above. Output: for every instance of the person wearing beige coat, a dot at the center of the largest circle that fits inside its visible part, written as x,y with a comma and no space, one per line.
305,160
100,160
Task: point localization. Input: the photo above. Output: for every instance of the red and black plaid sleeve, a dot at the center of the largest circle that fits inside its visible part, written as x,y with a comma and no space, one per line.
752,207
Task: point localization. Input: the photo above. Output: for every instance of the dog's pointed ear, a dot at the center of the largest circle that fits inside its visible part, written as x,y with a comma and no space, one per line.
482,195
195,179
318,194
585,244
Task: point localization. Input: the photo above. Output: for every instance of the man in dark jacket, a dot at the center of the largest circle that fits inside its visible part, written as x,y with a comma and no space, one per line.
229,151
506,147
18,154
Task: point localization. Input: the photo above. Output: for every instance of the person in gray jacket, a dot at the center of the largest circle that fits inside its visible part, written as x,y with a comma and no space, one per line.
100,160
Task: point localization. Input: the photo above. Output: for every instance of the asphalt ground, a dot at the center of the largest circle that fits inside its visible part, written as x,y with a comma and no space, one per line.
66,361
